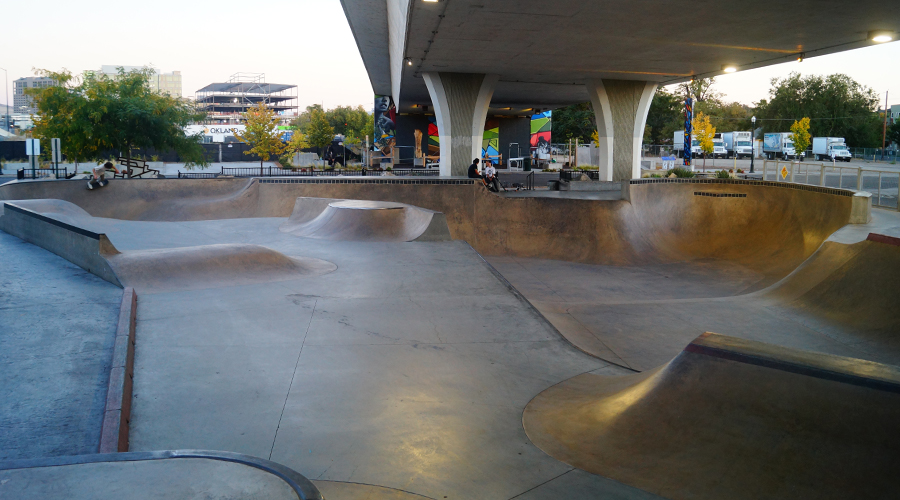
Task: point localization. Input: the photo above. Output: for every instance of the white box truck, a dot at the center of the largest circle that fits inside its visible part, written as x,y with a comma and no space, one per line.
779,145
830,148
738,144
696,150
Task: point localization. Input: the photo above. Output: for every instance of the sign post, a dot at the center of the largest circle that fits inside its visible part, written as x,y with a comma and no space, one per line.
33,152
56,155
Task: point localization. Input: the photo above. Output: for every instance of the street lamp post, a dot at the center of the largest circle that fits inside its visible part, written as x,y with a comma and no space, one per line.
6,88
752,143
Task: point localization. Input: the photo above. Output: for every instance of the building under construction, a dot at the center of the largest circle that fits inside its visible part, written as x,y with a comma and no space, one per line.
225,102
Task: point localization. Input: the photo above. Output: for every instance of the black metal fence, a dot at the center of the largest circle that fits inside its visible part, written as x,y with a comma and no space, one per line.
574,175
305,172
43,173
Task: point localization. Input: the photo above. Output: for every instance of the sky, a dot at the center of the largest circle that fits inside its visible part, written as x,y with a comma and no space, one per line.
303,42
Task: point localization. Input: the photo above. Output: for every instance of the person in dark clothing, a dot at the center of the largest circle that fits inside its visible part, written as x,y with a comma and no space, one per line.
473,170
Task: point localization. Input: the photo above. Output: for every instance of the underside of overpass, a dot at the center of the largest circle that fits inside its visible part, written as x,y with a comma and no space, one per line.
528,55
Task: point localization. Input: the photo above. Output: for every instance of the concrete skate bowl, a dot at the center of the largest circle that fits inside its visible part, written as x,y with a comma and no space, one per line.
770,228
729,418
211,266
360,220
149,199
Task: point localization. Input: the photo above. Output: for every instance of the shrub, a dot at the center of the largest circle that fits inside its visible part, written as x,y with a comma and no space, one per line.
655,176
723,174
681,173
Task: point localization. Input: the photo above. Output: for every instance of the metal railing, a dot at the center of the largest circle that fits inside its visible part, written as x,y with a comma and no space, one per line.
883,184
42,173
305,172
570,175
529,181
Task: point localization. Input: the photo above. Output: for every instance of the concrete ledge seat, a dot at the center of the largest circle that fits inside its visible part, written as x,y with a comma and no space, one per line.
173,475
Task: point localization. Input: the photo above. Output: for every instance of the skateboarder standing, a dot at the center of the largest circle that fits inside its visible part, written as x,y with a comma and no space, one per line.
99,174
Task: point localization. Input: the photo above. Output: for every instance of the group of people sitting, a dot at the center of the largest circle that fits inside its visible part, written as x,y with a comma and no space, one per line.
488,176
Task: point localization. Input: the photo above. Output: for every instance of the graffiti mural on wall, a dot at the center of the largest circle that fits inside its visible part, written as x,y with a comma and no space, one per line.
541,125
434,139
490,145
385,124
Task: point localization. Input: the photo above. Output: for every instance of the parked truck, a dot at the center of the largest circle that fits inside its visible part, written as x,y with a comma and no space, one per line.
738,144
830,148
779,145
696,150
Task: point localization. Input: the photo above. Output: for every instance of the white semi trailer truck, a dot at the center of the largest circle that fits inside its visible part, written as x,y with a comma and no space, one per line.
696,150
779,145
830,148
738,144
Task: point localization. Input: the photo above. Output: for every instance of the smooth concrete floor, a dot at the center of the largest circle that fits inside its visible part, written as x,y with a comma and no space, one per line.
641,317
409,367
57,330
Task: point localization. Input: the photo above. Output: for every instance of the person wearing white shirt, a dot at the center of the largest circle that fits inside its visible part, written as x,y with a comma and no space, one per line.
490,177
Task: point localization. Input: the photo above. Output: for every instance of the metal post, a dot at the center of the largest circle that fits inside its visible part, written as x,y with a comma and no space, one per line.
753,146
879,188
858,178
822,175
884,129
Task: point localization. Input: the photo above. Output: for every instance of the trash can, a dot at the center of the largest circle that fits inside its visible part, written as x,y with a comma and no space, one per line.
526,164
20,174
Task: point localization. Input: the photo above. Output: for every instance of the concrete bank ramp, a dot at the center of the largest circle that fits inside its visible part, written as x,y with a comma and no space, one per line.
851,284
211,266
173,475
360,220
731,418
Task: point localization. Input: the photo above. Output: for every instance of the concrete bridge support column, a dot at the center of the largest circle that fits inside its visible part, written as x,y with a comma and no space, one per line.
621,108
460,103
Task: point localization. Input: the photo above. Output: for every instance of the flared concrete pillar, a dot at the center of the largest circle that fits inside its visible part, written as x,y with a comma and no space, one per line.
621,108
460,103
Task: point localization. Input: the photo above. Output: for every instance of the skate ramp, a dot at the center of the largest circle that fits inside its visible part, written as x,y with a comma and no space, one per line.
211,266
731,418
360,220
851,284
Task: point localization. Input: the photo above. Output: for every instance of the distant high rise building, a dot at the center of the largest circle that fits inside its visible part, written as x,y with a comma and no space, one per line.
23,103
164,83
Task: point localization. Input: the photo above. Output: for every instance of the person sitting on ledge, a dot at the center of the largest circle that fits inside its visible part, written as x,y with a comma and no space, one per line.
473,170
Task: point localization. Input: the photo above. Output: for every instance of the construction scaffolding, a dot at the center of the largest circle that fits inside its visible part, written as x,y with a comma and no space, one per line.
225,102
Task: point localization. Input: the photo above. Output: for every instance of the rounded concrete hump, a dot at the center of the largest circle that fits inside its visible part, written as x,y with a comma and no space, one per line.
211,266
57,209
362,220
721,416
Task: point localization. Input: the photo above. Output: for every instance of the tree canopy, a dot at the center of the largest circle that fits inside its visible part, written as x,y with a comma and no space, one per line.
836,105
800,136
574,122
319,132
261,133
354,123
95,114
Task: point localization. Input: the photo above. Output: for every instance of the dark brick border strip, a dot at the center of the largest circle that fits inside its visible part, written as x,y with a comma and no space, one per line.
299,483
116,417
883,238
744,182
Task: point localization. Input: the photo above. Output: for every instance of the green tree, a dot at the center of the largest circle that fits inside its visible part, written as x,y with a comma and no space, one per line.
297,143
261,133
95,114
893,133
666,115
319,132
836,105
350,122
302,121
704,131
574,122
800,136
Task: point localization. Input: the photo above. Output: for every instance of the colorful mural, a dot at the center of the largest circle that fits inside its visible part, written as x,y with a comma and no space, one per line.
490,145
688,130
434,138
541,125
385,124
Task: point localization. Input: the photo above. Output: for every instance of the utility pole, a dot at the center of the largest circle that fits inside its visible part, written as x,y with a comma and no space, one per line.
884,129
6,89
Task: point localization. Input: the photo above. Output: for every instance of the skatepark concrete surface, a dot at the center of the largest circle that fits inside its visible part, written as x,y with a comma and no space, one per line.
693,427
380,367
57,329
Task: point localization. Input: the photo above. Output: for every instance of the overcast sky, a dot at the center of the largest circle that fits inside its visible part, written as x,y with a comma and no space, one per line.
302,42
